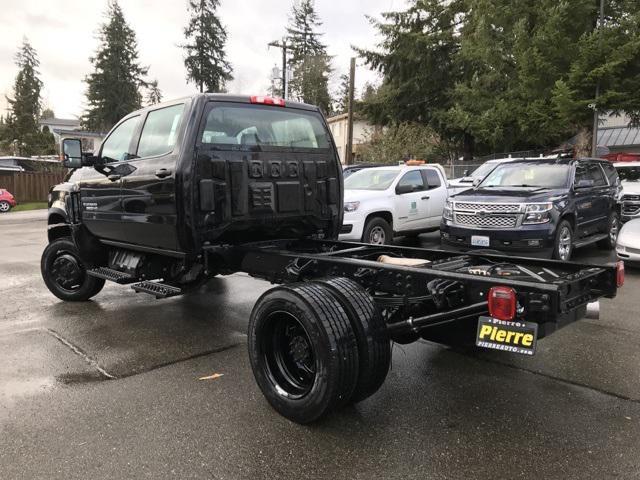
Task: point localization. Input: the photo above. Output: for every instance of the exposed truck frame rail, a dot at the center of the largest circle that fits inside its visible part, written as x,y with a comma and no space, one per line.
550,293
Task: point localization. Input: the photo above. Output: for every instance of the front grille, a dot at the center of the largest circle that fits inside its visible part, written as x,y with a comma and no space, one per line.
631,198
487,221
489,207
630,209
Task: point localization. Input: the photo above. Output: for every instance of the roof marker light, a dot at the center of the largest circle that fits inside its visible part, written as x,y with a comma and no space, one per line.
264,100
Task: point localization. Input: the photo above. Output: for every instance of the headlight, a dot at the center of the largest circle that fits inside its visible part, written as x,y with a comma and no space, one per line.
537,213
351,206
447,213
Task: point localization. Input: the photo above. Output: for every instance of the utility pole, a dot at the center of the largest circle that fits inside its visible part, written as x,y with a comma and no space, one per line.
594,135
283,45
352,76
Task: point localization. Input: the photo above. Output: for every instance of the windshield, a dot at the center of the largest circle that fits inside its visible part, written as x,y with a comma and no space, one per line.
370,179
483,170
520,174
629,174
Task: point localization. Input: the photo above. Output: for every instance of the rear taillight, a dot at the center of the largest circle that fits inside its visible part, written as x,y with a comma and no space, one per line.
502,303
278,102
620,274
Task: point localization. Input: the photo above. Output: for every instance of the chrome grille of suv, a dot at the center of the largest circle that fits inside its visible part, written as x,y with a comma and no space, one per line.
490,221
489,207
631,198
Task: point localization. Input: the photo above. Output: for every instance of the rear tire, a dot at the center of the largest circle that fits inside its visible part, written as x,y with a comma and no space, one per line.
4,206
65,274
374,349
563,244
613,228
303,351
377,231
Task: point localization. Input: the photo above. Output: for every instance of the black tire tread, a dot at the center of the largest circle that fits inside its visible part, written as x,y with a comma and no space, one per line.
332,324
335,319
374,349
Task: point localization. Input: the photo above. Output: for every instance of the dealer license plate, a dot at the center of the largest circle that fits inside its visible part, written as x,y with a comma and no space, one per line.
515,337
480,241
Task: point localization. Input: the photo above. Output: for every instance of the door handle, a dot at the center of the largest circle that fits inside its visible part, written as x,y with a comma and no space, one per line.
425,198
163,173
114,176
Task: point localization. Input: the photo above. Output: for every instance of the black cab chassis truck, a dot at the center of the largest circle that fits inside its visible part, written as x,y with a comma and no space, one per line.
214,184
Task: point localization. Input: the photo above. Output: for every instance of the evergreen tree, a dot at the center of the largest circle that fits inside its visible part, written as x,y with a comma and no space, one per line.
205,60
113,89
154,94
500,75
47,113
309,63
20,130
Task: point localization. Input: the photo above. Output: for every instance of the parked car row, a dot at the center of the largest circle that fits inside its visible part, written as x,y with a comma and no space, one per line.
529,207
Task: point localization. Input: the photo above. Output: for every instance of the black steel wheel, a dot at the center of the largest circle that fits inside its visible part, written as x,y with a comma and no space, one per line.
65,274
374,346
613,228
303,351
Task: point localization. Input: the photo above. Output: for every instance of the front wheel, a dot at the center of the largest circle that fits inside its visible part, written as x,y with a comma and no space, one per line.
563,246
377,231
65,274
4,206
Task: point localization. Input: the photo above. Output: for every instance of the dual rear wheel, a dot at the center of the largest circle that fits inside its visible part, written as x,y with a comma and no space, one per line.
316,347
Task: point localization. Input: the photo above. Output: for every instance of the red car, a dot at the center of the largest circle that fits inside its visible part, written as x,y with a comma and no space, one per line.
7,202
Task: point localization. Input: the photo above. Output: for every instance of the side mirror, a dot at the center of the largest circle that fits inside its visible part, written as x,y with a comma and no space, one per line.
402,189
580,184
466,172
72,153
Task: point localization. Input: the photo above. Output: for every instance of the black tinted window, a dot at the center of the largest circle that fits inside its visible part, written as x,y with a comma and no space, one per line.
413,179
245,126
116,147
611,173
160,131
590,171
432,177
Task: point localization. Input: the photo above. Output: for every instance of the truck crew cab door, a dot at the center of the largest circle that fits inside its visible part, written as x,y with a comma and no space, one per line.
149,214
437,193
100,192
411,202
592,203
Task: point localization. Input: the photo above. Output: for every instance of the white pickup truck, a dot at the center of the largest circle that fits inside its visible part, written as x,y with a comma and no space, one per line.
382,202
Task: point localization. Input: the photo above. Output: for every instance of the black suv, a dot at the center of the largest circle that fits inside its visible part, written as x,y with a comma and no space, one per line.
537,206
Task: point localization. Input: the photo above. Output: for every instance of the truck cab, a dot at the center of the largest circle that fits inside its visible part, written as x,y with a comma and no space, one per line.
198,171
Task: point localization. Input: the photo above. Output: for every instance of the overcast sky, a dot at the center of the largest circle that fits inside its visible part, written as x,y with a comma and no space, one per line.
64,34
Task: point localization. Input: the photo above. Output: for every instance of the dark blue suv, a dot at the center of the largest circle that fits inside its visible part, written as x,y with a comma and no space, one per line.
537,207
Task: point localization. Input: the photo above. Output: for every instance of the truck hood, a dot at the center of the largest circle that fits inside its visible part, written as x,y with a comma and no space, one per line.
363,195
510,195
632,188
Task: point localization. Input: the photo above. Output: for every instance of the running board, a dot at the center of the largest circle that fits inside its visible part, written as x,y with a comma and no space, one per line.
158,290
590,240
112,275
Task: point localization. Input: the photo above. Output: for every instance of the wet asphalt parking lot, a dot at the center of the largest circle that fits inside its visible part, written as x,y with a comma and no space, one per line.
111,389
